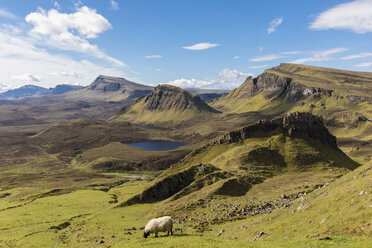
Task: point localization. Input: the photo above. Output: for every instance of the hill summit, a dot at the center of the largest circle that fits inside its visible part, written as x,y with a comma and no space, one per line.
166,103
112,89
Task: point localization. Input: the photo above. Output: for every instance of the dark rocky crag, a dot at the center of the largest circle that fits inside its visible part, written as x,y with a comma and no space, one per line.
170,185
295,125
293,83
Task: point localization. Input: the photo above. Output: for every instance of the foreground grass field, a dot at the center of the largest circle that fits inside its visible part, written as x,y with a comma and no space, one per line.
90,218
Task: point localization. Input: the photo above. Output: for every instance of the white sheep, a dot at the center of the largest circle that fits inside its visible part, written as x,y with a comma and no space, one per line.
162,224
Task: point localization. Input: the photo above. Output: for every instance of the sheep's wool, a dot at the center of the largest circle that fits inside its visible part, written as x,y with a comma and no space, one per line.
162,224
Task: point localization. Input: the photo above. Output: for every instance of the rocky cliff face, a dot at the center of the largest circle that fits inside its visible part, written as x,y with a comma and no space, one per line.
170,185
285,88
295,125
293,83
167,97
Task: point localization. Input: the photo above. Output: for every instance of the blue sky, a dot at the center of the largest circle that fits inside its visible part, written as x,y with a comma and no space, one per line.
189,43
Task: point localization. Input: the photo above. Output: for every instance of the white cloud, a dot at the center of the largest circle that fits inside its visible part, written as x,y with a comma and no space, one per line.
320,56
200,46
6,14
16,51
4,87
114,5
26,78
153,57
70,31
355,16
227,79
258,66
85,21
357,56
66,74
274,24
267,58
236,57
367,64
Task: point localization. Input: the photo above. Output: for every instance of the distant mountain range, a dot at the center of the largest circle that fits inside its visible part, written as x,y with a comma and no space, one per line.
104,88
35,91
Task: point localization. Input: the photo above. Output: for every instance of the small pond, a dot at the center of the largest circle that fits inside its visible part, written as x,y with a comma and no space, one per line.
158,145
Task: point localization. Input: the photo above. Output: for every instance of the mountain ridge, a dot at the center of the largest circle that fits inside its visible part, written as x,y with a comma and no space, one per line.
36,91
167,103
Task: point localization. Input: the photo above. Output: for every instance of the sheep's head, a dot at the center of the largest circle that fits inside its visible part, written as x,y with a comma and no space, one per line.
146,234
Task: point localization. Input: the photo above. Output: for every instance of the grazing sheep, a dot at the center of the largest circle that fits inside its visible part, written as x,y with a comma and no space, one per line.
162,224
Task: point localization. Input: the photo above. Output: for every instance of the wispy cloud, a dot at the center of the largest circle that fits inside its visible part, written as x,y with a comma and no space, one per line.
37,64
267,58
10,29
236,57
357,56
320,56
56,5
367,64
6,14
26,78
226,79
258,66
6,87
260,49
201,46
153,57
274,24
66,74
114,5
355,16
291,53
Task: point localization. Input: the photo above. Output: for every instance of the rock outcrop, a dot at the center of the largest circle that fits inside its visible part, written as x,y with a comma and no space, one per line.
295,125
286,88
169,185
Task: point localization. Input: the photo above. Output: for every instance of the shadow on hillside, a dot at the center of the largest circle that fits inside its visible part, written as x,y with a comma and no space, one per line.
176,235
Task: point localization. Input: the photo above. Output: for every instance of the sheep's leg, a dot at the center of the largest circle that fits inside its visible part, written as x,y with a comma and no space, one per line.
168,233
171,232
156,235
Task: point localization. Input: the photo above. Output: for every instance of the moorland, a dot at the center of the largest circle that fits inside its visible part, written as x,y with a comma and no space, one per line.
284,160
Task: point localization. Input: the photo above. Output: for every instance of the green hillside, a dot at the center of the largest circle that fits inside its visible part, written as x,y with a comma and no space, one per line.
342,98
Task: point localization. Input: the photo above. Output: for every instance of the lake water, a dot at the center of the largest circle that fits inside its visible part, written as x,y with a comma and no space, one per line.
158,145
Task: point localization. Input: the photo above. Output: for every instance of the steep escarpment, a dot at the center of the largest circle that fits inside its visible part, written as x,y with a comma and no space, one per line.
166,104
286,88
295,125
293,83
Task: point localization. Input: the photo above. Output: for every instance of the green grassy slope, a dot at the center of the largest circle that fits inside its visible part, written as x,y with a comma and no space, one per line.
338,210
